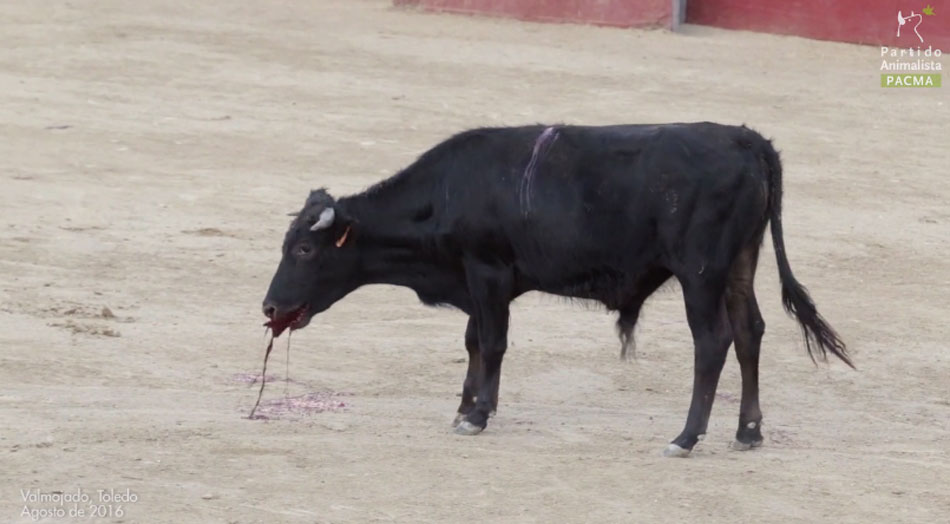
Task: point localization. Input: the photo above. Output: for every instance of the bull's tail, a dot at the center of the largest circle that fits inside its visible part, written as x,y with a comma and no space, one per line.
819,337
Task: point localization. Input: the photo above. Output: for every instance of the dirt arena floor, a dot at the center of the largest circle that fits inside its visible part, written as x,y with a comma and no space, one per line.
150,155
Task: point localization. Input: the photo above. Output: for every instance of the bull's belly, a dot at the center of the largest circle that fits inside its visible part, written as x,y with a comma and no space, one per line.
611,287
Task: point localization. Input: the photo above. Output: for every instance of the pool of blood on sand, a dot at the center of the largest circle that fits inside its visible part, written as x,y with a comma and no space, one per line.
307,404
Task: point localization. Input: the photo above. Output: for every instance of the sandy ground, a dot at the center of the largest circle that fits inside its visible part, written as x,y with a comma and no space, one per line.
150,153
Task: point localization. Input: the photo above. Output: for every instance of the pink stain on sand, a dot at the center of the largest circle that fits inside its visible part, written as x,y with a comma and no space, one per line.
251,378
306,404
291,406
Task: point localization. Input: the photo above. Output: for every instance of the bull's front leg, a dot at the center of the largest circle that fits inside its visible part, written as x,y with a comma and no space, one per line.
491,291
470,384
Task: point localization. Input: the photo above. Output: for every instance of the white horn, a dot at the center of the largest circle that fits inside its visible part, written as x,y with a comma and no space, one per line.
325,221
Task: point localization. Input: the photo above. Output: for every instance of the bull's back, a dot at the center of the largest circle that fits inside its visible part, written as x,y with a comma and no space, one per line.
598,200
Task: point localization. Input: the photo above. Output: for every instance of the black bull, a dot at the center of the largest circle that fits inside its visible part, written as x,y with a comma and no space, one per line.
600,213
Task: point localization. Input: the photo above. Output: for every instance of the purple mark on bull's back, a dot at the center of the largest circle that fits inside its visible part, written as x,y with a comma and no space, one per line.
541,147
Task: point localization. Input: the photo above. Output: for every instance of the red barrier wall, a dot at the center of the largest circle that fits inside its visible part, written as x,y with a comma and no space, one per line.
618,13
860,21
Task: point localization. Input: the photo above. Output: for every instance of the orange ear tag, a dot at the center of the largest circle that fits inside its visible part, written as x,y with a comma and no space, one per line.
342,240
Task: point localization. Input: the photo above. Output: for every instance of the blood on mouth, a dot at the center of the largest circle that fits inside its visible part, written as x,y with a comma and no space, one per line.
278,324
313,402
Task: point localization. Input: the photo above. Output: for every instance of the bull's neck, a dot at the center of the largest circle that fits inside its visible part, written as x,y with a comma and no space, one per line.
394,238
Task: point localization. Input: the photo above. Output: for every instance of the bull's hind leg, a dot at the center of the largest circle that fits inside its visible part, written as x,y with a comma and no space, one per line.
712,335
747,328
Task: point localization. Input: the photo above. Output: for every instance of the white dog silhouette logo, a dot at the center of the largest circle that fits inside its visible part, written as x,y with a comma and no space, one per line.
902,20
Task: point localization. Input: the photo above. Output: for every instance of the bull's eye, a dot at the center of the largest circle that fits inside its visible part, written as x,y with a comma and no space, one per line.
303,250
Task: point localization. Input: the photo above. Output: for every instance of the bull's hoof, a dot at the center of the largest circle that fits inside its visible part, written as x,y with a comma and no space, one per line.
459,417
738,445
467,428
675,451
748,436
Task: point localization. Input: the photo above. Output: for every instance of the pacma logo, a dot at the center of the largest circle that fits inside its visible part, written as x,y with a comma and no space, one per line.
915,18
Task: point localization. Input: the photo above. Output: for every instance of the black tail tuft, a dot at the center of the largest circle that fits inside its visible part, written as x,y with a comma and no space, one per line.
820,337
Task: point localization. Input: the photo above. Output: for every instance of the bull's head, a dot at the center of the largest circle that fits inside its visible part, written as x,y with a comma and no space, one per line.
317,268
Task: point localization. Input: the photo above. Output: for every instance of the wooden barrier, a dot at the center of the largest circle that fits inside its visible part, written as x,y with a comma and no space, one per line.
860,21
617,13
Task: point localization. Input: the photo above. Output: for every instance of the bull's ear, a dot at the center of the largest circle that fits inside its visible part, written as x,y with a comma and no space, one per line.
325,220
